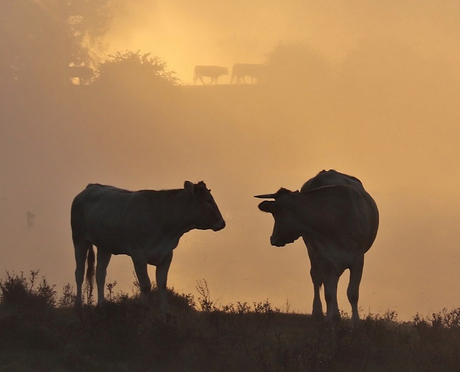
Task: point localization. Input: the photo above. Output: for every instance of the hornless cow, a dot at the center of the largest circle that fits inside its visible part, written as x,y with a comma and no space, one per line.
145,225
82,73
256,72
212,72
338,221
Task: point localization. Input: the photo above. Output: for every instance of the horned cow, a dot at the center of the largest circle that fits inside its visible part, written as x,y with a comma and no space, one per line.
338,221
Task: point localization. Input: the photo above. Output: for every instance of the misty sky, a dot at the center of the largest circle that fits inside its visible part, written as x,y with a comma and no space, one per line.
207,32
405,153
387,114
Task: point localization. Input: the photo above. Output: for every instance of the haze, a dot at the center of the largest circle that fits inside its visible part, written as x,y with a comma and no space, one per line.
368,89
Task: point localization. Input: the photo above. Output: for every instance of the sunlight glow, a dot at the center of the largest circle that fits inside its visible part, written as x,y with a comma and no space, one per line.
368,88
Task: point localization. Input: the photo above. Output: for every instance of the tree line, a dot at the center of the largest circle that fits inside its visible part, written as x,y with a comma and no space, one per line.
56,43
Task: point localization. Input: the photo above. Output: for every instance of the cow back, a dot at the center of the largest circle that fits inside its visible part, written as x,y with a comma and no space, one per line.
369,210
331,178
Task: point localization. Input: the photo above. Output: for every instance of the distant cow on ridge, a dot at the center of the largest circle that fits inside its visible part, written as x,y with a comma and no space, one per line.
145,225
212,72
338,221
82,73
256,73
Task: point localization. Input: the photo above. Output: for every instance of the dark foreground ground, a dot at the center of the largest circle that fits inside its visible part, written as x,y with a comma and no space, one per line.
40,332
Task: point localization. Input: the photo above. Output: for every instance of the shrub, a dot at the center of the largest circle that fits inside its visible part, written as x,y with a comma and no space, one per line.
68,296
124,334
17,293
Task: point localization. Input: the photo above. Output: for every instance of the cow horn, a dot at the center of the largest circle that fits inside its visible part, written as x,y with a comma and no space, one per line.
281,191
266,196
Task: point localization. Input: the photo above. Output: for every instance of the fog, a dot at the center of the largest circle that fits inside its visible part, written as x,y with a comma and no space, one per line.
207,32
370,90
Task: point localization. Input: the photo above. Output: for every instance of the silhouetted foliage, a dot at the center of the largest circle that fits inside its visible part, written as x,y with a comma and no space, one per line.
126,335
135,71
40,39
68,296
19,293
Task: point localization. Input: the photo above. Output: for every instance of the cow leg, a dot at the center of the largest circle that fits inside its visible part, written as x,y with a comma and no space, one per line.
140,266
317,277
81,251
356,273
161,278
103,259
330,291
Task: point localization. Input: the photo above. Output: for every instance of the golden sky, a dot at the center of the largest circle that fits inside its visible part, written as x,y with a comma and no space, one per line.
393,123
186,34
405,152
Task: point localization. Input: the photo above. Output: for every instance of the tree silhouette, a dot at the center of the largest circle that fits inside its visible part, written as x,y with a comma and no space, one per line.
39,40
133,70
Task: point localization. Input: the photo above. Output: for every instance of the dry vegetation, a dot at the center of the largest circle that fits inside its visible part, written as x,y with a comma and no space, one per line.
39,331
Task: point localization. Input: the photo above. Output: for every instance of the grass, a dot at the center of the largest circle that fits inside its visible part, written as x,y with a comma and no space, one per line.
39,331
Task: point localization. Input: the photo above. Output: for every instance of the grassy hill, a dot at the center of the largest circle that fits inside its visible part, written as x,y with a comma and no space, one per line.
39,332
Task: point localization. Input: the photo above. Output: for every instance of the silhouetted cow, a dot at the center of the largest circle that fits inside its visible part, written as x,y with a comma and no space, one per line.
212,72
240,71
145,225
338,221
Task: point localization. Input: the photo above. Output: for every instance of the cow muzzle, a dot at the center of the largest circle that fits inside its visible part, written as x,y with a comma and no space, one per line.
219,226
277,242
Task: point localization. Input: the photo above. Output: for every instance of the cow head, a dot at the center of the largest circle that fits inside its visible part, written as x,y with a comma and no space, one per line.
287,229
206,212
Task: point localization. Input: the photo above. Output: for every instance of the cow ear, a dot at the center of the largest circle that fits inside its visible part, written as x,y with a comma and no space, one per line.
283,191
267,206
188,186
200,188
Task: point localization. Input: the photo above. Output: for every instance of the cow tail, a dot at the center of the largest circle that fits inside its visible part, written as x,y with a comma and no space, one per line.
91,259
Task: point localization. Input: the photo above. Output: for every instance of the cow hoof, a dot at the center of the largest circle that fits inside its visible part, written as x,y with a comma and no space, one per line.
318,316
